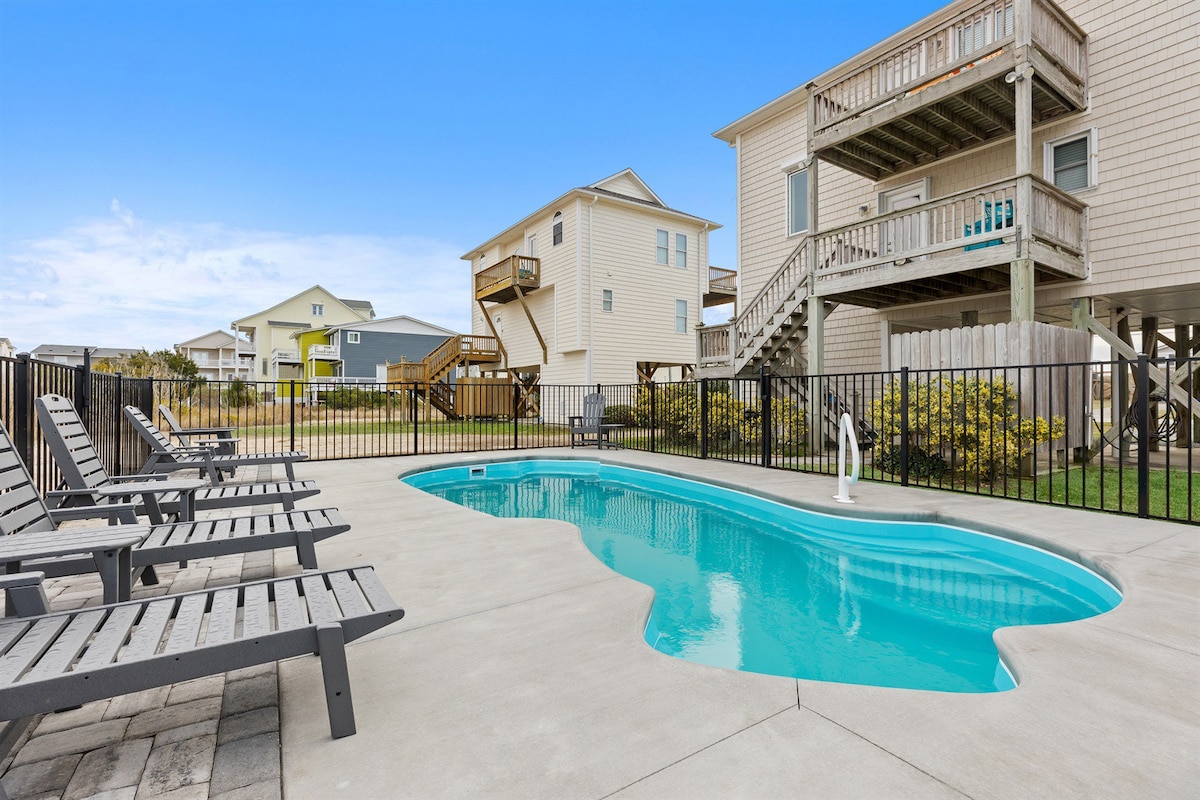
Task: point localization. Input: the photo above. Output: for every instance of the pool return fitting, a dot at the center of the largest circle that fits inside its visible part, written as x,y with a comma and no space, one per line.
846,434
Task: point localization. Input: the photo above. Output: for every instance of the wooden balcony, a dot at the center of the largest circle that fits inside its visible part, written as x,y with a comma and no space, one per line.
323,352
508,279
722,287
949,87
955,246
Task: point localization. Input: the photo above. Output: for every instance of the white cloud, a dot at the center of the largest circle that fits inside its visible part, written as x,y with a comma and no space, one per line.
120,281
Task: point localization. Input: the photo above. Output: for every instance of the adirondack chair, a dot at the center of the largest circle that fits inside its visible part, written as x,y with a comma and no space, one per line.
219,438
590,428
29,534
50,661
84,474
166,456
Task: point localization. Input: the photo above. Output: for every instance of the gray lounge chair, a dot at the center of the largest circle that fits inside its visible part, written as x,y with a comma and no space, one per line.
50,661
220,438
84,473
166,456
29,534
590,428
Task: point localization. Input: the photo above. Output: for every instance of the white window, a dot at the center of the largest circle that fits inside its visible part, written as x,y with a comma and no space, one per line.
662,248
353,337
606,300
532,246
558,220
681,316
681,249
797,201
318,309
1070,162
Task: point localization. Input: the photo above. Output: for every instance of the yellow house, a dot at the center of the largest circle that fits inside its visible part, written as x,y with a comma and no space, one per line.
277,355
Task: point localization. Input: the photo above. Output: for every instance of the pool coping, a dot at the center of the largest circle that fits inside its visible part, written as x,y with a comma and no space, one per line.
1121,683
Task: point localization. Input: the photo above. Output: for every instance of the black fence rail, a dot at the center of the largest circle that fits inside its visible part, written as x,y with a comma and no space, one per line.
1097,435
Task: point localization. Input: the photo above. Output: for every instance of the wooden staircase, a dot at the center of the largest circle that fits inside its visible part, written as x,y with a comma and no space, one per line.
429,378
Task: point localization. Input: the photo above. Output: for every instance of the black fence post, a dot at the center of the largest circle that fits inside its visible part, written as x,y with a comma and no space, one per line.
416,415
1143,434
516,401
704,417
904,423
118,439
22,417
147,398
83,384
653,417
292,415
764,395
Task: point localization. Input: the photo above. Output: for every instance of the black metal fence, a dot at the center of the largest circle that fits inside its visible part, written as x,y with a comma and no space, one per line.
1088,435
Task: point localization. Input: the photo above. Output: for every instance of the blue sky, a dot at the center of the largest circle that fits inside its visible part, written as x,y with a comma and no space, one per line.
168,167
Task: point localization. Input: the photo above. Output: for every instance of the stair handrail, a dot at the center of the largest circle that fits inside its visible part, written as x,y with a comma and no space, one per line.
753,307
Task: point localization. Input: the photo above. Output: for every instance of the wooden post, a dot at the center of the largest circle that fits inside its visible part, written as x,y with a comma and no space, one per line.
816,367
969,319
1183,350
1122,404
1021,282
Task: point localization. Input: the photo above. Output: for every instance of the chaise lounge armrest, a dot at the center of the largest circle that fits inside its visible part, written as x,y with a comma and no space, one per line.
116,512
24,593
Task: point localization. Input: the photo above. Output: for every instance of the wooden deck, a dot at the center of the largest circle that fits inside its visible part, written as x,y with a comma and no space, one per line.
949,87
508,279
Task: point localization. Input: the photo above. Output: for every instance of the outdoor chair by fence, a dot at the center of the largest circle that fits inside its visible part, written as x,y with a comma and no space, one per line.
166,456
31,539
219,438
52,661
85,477
590,428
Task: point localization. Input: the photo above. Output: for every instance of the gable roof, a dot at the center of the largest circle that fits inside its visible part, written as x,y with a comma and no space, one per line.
625,178
217,338
413,325
361,308
78,350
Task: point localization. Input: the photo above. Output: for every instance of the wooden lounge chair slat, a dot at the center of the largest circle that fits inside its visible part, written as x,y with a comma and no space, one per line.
288,613
10,631
222,619
372,589
185,630
346,592
146,639
36,641
108,641
256,618
316,593
68,645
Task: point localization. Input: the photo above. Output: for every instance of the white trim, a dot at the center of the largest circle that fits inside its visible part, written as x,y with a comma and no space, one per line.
612,302
1093,169
795,164
788,200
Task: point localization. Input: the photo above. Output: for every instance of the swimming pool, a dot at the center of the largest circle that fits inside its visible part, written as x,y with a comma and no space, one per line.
746,583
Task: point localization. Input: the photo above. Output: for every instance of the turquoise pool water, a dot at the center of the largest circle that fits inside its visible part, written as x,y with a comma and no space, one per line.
746,583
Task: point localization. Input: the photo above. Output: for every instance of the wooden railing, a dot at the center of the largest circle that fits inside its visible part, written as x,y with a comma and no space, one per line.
722,280
323,351
791,273
445,355
713,345
945,48
515,270
1058,218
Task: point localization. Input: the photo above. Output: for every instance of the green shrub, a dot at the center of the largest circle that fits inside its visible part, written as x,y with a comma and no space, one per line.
352,397
973,421
621,415
240,394
731,422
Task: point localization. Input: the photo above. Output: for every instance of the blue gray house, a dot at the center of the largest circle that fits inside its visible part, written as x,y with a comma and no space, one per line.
360,351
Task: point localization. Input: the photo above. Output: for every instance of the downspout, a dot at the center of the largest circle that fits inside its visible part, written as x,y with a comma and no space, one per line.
578,274
591,296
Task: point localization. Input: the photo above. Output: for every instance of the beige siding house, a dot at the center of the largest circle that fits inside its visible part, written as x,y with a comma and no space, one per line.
276,354
220,356
606,284
997,161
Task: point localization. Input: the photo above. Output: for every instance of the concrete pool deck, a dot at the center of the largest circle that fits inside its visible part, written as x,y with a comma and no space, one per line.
520,670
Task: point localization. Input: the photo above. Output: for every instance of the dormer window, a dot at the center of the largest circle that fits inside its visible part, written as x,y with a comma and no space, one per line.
558,220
